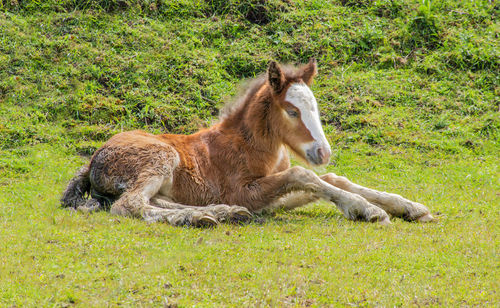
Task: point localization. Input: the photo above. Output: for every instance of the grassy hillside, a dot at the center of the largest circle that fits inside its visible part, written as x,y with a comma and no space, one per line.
409,97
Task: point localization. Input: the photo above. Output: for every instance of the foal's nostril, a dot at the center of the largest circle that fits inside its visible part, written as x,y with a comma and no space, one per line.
323,154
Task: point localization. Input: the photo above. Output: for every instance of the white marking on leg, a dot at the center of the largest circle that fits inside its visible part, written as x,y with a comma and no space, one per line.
168,180
152,187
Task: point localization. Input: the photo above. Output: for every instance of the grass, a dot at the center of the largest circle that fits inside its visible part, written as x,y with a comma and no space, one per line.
408,92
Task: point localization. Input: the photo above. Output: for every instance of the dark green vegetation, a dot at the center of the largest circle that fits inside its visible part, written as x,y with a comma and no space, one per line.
409,98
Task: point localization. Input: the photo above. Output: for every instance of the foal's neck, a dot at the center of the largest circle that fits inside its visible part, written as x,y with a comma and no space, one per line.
253,121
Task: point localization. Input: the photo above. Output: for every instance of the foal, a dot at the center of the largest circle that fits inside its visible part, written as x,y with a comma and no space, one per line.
233,168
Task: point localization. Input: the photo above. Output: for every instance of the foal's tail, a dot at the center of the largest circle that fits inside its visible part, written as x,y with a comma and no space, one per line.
78,188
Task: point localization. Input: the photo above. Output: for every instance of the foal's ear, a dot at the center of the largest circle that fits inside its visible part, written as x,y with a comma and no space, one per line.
309,71
275,76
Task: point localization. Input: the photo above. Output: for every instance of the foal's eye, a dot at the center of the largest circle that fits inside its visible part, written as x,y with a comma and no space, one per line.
292,113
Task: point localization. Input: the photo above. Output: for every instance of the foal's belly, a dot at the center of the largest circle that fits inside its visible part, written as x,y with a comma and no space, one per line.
190,188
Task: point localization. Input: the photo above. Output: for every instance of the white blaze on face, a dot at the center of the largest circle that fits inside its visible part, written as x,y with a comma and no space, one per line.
302,97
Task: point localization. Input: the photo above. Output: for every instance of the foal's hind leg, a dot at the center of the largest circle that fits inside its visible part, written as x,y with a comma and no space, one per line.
391,203
136,202
221,212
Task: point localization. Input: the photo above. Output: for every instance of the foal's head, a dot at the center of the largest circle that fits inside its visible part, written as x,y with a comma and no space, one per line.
298,122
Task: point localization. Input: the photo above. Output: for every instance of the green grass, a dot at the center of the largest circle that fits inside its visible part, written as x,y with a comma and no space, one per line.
408,92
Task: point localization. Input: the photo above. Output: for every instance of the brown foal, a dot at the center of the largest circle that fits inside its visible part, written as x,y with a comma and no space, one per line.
234,168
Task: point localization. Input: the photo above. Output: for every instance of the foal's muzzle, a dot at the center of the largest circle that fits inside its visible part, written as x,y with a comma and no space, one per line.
319,154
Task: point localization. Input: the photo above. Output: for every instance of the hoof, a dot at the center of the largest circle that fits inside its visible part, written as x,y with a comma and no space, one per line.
240,219
382,220
379,216
385,222
426,218
242,215
206,221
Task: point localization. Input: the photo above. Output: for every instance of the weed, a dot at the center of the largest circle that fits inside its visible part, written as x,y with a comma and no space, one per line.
258,12
387,8
423,28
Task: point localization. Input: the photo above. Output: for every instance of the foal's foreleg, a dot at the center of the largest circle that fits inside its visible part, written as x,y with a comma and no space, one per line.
276,186
391,203
293,200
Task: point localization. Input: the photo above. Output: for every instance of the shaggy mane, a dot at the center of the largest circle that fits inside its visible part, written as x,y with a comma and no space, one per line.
249,87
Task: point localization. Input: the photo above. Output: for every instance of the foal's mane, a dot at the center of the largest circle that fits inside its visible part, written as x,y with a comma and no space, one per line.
246,90
249,87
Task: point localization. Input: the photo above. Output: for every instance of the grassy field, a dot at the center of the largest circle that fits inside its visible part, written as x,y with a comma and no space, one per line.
409,97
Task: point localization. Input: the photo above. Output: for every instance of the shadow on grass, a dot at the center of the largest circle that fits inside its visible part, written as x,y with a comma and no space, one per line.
298,216
280,217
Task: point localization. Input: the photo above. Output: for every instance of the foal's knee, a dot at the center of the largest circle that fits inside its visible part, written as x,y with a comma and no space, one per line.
337,181
302,173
